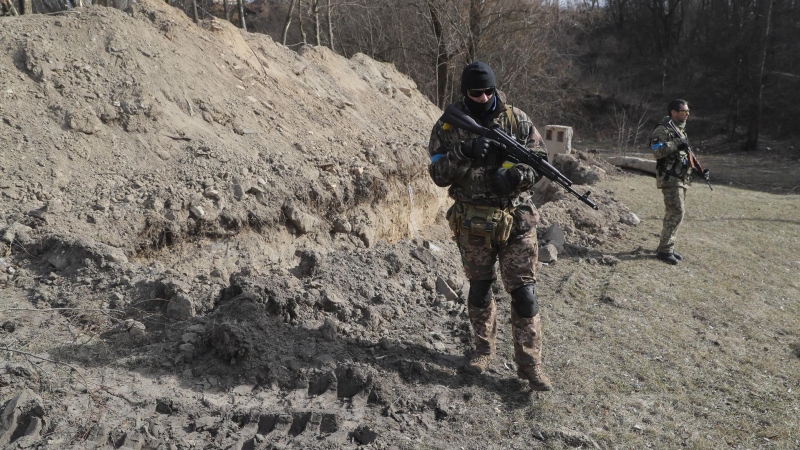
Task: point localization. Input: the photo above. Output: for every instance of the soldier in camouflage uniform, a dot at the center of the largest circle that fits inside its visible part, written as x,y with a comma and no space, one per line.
493,218
669,145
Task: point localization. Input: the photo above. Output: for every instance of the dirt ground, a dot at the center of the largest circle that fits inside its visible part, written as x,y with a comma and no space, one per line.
210,241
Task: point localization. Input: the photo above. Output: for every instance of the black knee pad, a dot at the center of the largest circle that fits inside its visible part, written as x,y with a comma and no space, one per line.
480,293
524,302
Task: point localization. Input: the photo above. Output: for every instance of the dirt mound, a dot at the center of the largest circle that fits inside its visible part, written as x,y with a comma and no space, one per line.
211,129
233,243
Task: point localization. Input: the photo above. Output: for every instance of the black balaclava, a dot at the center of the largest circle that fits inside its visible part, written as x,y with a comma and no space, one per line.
477,75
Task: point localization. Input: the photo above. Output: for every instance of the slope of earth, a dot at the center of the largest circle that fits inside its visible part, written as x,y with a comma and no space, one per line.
210,241
106,113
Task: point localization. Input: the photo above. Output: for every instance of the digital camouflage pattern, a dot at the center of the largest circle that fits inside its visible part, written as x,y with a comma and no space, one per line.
672,163
484,321
484,328
469,182
518,257
673,216
527,335
673,176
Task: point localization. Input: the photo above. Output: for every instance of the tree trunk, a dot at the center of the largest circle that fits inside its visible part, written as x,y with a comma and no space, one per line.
330,25
475,9
404,46
27,7
303,37
225,10
194,11
12,7
288,21
618,7
632,162
317,28
765,14
442,58
241,15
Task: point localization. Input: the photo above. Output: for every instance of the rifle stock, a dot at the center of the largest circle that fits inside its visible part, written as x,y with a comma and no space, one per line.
515,151
693,162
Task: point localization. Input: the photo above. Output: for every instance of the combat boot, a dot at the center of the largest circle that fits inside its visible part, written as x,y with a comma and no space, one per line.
528,350
668,258
484,327
536,378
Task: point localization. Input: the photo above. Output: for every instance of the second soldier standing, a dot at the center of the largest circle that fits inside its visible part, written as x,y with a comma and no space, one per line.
493,218
670,145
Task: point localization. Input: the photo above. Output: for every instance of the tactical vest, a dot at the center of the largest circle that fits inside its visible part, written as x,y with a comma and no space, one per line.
469,221
492,160
673,165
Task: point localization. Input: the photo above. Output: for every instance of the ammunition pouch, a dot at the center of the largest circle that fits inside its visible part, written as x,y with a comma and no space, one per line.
470,222
672,166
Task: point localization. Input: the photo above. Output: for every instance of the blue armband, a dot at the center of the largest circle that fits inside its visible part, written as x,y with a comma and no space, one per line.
656,146
435,157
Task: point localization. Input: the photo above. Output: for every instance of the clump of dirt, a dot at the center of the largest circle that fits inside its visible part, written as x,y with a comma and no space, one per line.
210,240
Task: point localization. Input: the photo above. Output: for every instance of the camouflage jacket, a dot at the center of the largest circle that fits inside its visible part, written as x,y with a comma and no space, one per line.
468,180
672,164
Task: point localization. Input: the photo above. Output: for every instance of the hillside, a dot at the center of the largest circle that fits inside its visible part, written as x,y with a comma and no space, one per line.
208,240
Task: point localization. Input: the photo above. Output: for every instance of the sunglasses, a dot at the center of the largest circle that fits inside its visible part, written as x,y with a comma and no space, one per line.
478,92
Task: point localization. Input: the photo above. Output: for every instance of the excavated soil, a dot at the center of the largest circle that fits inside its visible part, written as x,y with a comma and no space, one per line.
208,240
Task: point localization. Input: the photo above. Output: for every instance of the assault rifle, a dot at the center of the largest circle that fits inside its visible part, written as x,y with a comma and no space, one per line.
693,162
515,152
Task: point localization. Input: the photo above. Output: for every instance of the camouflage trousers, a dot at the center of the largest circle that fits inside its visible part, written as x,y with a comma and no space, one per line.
674,198
518,257
484,327
527,334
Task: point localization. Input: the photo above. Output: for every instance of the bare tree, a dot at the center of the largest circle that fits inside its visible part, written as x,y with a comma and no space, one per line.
314,14
288,21
329,9
11,7
765,15
442,55
619,11
475,29
300,23
241,15
629,122
554,56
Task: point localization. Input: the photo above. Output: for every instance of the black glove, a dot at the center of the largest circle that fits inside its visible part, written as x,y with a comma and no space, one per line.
706,174
479,147
505,180
683,143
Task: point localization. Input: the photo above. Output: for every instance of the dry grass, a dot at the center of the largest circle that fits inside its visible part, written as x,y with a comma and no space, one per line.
693,356
702,355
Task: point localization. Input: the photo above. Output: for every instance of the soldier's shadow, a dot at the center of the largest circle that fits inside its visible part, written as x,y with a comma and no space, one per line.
418,364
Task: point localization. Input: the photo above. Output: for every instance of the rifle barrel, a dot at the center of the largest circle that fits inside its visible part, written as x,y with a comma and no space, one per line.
689,150
514,150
